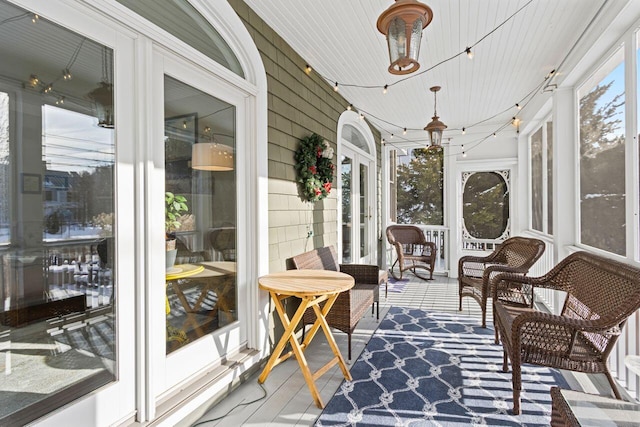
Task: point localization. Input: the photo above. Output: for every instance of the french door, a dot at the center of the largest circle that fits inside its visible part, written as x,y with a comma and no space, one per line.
357,175
195,321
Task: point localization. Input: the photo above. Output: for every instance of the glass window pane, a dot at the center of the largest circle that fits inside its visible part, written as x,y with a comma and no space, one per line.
365,210
536,180
57,305
183,21
346,167
602,161
420,180
353,135
200,182
549,177
393,186
485,208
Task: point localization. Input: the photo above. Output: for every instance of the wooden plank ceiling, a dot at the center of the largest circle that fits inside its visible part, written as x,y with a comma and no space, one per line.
339,39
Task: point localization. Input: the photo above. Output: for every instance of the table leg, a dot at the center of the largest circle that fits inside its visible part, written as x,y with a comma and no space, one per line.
297,349
321,317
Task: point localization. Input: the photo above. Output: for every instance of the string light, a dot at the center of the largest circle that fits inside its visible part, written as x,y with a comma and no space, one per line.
35,18
60,100
48,88
465,51
464,131
518,106
404,131
308,69
469,53
391,137
335,88
184,124
464,153
350,107
66,74
361,116
383,141
384,91
494,135
33,80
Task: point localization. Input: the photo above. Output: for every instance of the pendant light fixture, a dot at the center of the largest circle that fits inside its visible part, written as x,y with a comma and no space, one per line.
435,127
102,96
402,23
211,156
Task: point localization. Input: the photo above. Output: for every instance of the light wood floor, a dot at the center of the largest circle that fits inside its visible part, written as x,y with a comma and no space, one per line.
288,401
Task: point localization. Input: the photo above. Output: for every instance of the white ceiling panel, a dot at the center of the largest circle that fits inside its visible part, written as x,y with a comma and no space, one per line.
339,39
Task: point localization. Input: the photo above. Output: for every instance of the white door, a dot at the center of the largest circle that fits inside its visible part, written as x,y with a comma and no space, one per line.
196,320
357,175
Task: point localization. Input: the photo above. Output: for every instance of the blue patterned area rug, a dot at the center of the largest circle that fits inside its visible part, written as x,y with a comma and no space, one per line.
424,368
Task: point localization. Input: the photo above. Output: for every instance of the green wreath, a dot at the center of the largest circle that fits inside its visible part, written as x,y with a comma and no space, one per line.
315,167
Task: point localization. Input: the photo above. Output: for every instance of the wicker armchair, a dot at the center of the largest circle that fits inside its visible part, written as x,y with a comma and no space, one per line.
412,250
514,255
350,305
601,295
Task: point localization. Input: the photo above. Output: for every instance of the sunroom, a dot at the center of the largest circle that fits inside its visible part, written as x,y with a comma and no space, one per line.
114,111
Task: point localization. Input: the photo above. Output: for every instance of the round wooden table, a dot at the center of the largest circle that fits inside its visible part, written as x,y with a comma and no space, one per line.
312,287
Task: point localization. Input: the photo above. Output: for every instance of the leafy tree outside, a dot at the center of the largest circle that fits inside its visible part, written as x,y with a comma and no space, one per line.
602,171
420,184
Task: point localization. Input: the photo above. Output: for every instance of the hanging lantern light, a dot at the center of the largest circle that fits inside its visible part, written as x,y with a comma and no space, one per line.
402,23
435,127
102,96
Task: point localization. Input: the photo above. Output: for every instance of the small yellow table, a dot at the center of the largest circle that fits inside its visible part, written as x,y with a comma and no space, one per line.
180,271
312,287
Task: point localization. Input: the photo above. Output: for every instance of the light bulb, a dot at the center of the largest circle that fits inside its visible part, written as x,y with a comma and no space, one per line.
464,131
60,100
494,135
464,154
308,69
383,141
184,125
469,53
335,88
35,18
518,107
404,131
349,107
361,116
391,137
384,91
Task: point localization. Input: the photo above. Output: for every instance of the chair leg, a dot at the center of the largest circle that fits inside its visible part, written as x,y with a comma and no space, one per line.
349,339
613,385
516,380
484,316
505,361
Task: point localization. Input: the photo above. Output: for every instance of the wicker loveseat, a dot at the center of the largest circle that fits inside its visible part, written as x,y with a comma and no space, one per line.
601,295
350,305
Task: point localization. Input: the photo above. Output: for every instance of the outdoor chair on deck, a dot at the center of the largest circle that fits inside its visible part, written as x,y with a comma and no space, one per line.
515,255
601,295
412,250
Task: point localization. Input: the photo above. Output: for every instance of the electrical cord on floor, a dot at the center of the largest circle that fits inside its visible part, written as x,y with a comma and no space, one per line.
238,405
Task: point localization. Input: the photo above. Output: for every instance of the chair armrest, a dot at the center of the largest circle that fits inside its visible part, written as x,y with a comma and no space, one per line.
361,273
432,248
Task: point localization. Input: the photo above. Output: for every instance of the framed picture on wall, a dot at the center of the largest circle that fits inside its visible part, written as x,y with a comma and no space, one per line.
31,183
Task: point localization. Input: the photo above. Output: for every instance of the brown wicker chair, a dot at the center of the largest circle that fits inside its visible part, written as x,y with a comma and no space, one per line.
351,305
601,295
514,255
412,250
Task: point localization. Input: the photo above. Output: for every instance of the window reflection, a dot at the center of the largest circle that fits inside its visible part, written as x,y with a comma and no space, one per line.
57,317
200,173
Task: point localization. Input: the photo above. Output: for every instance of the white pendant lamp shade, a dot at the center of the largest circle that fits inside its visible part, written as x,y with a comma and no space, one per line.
211,156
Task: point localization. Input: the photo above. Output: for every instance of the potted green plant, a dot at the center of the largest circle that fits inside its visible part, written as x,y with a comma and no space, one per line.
175,206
